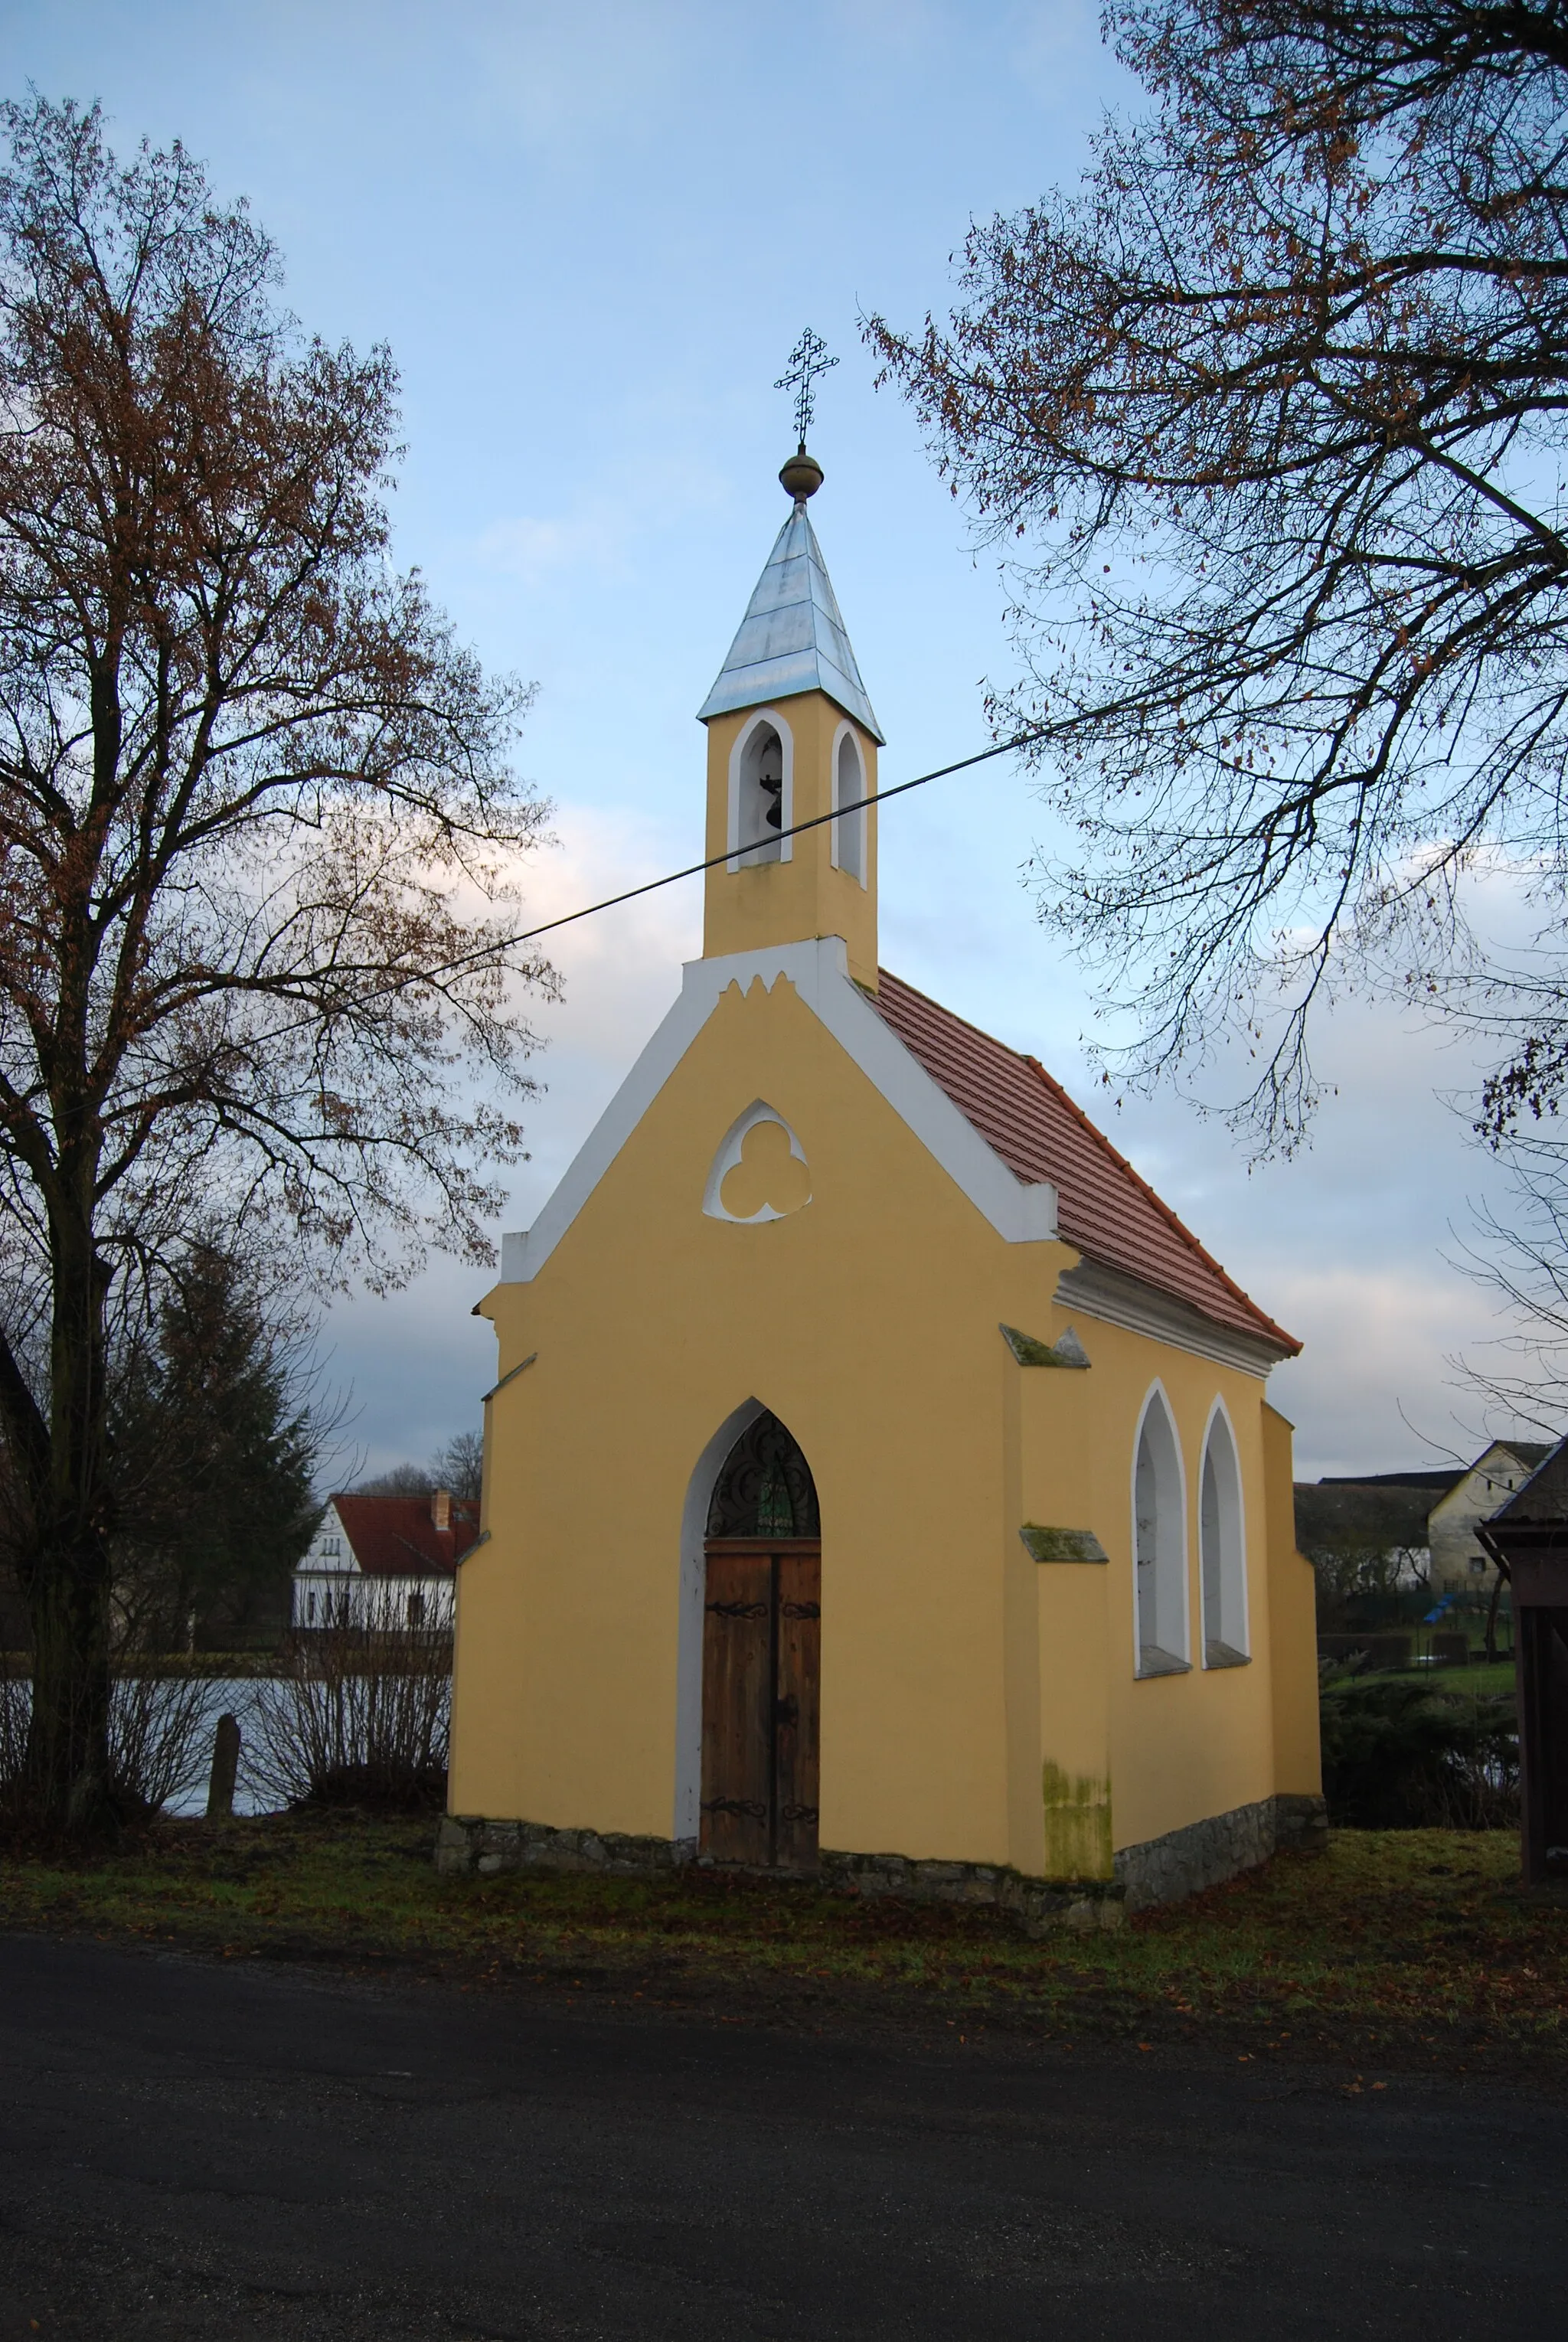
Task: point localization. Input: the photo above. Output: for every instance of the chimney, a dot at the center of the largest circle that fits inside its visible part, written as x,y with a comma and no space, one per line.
441,1507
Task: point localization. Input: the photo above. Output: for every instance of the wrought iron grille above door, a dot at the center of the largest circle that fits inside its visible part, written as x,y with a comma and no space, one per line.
766,1488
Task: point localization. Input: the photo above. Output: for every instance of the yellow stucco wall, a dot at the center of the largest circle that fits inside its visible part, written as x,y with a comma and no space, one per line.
806,895
975,1704
1293,1625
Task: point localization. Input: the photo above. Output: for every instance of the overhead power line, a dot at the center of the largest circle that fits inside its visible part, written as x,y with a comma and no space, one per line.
500,944
695,870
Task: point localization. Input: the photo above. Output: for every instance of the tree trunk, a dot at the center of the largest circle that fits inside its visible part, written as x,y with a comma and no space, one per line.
65,1576
67,1778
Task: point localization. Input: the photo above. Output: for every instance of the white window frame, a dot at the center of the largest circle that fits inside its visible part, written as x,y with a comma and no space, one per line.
1161,1645
1222,1545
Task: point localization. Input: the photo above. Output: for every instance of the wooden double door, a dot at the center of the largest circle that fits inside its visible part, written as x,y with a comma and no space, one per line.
761,1652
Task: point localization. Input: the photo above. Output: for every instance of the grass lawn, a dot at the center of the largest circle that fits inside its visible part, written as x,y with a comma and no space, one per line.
1478,1678
1454,1683
1415,1946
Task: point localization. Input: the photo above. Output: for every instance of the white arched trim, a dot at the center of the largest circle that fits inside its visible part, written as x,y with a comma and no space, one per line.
689,1631
1159,1505
729,1154
749,855
1223,1544
851,835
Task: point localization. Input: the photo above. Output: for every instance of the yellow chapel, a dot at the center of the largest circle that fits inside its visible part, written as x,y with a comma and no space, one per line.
879,1479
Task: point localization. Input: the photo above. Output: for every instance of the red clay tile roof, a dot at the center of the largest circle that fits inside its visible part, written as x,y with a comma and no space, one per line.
1103,1208
395,1536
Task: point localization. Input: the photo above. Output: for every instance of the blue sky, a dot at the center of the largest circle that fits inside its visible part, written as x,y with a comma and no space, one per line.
589,235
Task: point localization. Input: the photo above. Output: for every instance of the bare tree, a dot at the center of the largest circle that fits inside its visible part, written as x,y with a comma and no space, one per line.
397,1480
1271,413
459,1466
258,823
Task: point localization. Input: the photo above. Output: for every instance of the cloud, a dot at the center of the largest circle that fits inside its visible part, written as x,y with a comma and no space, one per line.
1374,1389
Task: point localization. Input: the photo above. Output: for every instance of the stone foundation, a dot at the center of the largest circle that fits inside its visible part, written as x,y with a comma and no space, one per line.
467,1842
1161,1870
1040,1904
1301,1824
1184,1861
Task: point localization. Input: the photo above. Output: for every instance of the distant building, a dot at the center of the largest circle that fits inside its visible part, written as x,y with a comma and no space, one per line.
1457,1557
1374,1528
389,1562
1422,1523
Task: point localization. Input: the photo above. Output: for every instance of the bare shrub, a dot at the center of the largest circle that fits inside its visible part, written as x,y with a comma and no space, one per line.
358,1715
159,1723
159,1728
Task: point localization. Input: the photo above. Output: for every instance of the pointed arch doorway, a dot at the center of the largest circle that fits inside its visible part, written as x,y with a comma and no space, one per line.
761,1652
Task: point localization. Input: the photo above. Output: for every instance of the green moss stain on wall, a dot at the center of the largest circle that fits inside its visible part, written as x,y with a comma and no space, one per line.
1077,1823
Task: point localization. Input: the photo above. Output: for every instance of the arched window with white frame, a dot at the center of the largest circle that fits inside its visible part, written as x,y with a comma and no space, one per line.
849,789
760,794
1160,1542
1223,1549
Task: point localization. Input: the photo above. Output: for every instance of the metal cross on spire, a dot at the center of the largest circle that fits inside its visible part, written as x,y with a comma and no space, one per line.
807,360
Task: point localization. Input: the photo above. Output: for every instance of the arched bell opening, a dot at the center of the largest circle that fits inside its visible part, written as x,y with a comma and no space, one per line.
762,1654
849,789
760,794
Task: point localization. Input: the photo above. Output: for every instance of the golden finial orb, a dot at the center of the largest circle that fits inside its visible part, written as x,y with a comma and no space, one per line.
801,476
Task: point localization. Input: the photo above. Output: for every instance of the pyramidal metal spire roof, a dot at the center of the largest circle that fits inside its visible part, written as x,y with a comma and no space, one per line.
791,638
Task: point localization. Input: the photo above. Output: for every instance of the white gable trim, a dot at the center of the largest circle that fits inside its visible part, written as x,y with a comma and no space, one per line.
1101,1291
819,971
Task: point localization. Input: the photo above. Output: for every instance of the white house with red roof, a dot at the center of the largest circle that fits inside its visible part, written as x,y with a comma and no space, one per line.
879,1479
384,1562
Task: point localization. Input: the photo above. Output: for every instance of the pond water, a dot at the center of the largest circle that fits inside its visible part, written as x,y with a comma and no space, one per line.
242,1696
226,1696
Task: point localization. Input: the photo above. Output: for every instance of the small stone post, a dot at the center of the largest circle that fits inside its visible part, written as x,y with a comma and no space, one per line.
226,1767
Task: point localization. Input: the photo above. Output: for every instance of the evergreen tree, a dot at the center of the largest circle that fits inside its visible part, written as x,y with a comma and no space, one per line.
214,1445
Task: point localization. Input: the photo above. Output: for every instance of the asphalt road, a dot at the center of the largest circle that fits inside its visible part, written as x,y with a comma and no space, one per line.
192,2150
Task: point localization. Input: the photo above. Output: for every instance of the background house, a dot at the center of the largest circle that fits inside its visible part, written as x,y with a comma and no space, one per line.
388,1562
1458,1559
1369,1535
1383,1530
